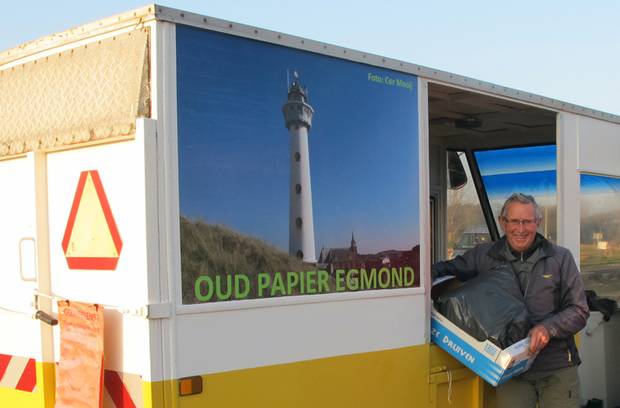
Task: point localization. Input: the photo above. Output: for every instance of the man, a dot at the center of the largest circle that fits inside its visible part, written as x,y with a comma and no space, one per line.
553,292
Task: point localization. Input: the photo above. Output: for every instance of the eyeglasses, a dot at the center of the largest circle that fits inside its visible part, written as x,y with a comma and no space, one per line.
514,222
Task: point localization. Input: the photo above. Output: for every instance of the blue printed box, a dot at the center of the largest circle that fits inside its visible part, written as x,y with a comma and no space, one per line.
494,365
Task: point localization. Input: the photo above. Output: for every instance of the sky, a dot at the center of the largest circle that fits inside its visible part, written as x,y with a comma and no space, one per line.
234,152
567,50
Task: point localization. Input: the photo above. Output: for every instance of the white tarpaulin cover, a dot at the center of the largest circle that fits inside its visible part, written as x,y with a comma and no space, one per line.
87,93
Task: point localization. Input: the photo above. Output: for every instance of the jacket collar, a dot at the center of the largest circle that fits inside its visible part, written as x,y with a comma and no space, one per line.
499,249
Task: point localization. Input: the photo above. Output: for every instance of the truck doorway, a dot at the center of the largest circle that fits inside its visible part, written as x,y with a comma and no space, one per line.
482,148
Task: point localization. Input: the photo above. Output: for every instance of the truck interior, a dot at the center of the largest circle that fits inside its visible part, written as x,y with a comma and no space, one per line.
481,149
477,146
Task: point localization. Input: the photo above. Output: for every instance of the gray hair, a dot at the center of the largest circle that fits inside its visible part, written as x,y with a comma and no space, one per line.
523,199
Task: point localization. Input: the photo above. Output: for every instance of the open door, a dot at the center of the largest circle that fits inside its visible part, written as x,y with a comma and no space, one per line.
482,149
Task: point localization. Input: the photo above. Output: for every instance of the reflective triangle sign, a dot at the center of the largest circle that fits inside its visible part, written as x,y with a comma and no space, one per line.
91,239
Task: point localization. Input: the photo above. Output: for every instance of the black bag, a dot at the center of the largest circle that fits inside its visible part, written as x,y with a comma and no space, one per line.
488,307
606,306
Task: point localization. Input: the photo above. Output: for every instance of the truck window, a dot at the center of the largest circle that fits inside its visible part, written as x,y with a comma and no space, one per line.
465,222
529,170
600,234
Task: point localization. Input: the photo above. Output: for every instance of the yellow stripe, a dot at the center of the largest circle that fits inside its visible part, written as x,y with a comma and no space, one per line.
154,395
391,378
407,377
42,396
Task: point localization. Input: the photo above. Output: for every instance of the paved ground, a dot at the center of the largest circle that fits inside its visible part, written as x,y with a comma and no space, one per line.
605,282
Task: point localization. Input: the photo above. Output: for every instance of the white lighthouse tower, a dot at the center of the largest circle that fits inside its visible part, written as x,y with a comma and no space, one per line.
298,118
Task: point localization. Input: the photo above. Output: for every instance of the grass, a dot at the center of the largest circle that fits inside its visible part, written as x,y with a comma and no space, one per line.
217,250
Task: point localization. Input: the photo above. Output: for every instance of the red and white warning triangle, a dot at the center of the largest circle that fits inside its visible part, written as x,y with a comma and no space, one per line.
91,239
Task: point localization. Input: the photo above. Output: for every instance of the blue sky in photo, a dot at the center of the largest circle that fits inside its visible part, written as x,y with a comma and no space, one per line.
532,170
529,170
591,184
234,146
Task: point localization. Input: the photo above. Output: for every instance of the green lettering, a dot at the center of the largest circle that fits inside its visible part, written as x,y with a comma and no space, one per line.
278,285
311,279
397,277
339,280
375,78
197,288
353,282
292,280
263,283
323,286
218,287
409,273
369,281
302,283
384,272
241,279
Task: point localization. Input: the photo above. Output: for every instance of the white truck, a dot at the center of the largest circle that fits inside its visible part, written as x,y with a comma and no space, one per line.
257,213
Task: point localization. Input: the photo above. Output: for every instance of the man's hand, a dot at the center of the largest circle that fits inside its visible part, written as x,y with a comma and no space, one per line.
539,337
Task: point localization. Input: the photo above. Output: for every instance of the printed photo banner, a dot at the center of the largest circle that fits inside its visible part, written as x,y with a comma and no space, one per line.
298,172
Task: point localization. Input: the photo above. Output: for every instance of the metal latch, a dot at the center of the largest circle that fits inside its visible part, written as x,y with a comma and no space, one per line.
151,311
45,318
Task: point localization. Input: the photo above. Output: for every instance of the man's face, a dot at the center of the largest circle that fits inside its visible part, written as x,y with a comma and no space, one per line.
520,225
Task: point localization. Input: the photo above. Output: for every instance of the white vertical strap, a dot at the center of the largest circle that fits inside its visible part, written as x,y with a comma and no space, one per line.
450,387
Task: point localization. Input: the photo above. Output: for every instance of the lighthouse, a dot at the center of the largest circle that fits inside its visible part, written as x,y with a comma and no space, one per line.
298,119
